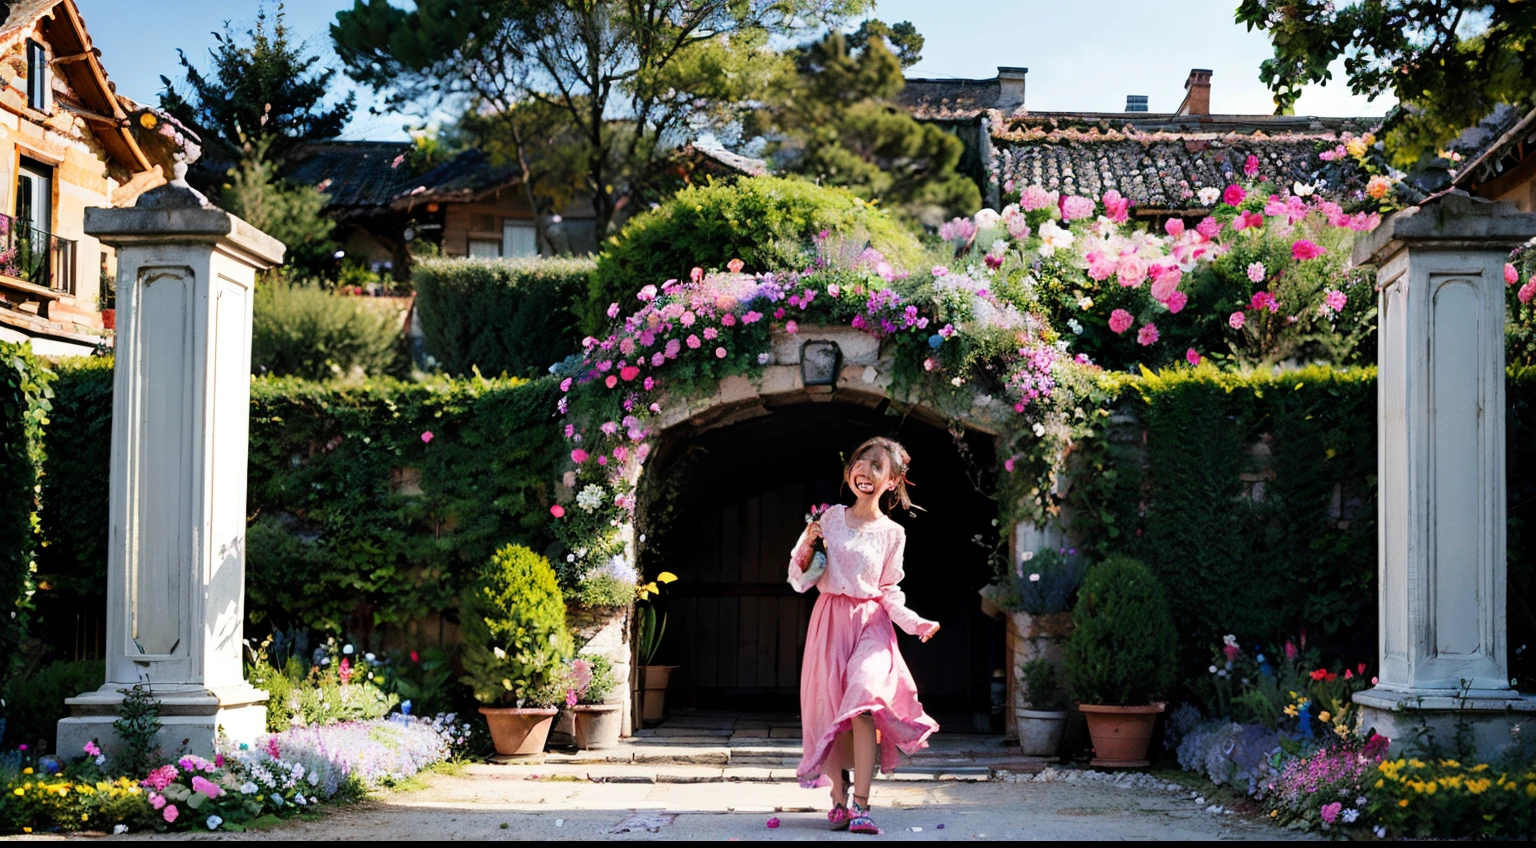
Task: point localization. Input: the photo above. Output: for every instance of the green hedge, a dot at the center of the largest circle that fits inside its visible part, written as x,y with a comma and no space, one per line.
769,223
1252,498
502,316
24,409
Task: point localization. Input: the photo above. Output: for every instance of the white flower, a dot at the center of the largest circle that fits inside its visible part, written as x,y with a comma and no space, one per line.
957,381
347,650
1028,555
1362,801
1213,669
1229,639
500,654
764,358
300,799
1208,196
119,829
369,657
590,498
101,759
1076,328
1034,578
1301,190
1039,429
1350,816
1381,832
1085,302
1053,238
998,248
214,822
987,219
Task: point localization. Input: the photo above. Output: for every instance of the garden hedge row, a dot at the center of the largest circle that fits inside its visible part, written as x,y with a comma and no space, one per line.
503,316
1252,498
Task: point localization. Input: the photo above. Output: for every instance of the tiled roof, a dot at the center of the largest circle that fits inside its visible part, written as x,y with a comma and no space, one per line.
745,165
1485,147
356,174
1161,161
944,98
466,177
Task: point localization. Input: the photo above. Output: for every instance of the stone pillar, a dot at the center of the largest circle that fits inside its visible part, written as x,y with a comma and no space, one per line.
181,410
1441,501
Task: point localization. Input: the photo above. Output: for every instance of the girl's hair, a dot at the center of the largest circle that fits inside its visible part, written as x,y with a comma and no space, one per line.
900,462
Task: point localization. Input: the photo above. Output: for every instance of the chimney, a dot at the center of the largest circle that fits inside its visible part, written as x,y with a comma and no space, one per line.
1135,103
1010,88
1198,100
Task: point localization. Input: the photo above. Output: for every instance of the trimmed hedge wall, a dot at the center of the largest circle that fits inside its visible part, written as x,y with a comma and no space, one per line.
503,316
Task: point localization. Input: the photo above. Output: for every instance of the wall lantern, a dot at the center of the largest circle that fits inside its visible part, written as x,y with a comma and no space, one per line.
820,363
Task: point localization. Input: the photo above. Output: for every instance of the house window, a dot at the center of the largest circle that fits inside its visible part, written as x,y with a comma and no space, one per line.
518,239
39,84
482,222
484,249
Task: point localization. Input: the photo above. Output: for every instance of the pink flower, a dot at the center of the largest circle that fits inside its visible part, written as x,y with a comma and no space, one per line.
1330,812
791,328
947,331
565,385
1251,166
1147,335
611,381
578,456
1120,320
773,822
1303,249
557,511
687,319
156,800
1209,228
648,293
1527,291
710,333
1116,208
1165,286
696,274
1511,276
1075,208
1248,221
1174,227
629,373
1177,301
1256,272
1236,320
728,319
208,787
92,749
693,342
1133,270
427,437
344,672
735,266
719,353
751,317
834,290
1335,300
1263,300
1290,651
1008,465
1231,651
170,813
1234,195
1192,356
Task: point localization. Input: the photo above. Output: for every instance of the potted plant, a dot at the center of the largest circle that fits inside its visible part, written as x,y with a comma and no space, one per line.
1042,716
1120,659
515,648
1037,596
590,683
653,678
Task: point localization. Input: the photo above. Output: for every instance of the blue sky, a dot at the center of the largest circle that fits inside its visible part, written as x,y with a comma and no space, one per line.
1082,55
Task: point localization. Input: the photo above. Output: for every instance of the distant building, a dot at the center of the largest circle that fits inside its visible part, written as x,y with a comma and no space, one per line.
68,141
1496,158
1159,160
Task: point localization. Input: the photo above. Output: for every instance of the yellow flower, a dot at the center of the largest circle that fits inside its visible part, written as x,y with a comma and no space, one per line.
1479,786
1530,790
148,120
26,770
19,791
84,817
1450,763
666,577
1403,803
1341,731
1480,767
1325,716
1380,783
1356,147
652,587
1378,187
1416,763
1291,710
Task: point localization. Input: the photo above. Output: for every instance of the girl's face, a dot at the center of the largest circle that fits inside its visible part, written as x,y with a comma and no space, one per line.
871,474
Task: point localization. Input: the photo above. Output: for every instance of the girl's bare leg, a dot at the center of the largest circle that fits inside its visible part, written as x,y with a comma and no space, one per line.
864,750
839,759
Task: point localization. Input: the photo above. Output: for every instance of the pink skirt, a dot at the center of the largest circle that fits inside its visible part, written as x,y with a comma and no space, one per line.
852,666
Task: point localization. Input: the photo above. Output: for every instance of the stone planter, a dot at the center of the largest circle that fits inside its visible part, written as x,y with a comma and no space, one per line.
653,685
519,732
1031,637
1120,734
597,725
1040,731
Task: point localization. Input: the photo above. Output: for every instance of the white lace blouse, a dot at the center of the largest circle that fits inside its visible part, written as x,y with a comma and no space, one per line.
863,563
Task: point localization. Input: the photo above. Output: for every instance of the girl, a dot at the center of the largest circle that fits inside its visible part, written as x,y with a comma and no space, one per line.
853,680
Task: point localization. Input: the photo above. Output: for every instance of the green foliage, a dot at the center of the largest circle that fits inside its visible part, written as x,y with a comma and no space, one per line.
603,680
1041,691
604,591
425,681
327,693
137,728
515,641
1447,63
359,520
500,316
1043,583
292,214
902,39
1122,651
34,703
651,633
769,223
75,517
836,123
25,405
264,87
301,330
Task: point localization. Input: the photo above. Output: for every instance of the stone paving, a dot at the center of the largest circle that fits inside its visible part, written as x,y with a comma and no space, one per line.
702,746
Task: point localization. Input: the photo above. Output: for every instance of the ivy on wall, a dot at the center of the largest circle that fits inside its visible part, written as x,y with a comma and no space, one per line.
24,409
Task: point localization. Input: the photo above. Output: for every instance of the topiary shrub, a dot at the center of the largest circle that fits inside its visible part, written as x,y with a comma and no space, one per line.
769,223
515,641
302,330
1122,651
512,316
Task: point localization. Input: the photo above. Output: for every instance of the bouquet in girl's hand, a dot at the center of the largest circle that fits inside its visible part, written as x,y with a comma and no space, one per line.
818,564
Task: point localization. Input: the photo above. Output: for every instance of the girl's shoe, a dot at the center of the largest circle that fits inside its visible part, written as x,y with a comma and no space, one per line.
859,820
838,818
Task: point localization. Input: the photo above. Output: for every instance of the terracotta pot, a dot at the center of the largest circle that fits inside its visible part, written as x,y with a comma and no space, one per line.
597,725
1040,731
653,680
519,732
1120,734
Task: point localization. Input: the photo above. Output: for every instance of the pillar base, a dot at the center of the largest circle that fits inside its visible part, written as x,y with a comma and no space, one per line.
192,720
1493,716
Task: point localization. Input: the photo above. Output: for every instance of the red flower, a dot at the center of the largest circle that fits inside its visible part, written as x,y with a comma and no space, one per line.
415,657
629,373
1303,250
1319,674
557,511
1234,195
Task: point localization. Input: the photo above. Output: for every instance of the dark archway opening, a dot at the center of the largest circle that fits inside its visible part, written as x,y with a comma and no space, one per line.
738,495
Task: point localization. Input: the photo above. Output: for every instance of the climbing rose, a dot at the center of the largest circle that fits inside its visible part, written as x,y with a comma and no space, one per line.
1511,276
1133,270
1256,272
1335,300
1236,319
1303,249
1527,291
1147,335
1120,320
1177,301
1234,195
